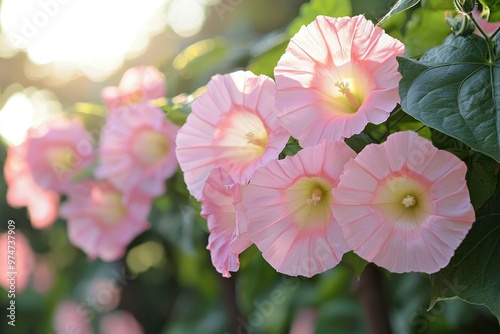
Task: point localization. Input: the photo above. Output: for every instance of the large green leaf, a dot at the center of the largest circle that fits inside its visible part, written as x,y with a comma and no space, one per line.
309,11
399,7
481,179
454,89
473,274
493,6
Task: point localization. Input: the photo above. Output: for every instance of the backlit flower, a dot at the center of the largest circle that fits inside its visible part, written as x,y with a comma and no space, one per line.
57,152
288,207
17,260
100,222
137,150
42,205
138,84
120,322
404,204
232,125
217,207
336,76
70,317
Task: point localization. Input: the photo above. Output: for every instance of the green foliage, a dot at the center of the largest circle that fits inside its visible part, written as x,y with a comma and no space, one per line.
266,62
399,7
481,179
493,6
426,28
473,274
453,89
309,11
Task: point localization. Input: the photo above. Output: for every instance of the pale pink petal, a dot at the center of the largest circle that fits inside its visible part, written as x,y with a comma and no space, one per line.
217,207
22,191
120,322
101,222
288,209
336,76
138,84
403,204
137,150
58,152
16,248
70,317
232,125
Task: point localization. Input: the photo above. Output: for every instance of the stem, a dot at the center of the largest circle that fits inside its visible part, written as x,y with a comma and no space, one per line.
229,292
486,37
370,292
495,33
420,128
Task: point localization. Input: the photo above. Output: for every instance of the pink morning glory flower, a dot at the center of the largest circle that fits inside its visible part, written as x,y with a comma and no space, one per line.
232,125
138,84
42,205
57,152
336,76
100,222
289,212
137,150
404,204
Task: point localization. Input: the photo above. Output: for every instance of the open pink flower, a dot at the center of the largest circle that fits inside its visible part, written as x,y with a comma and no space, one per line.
288,207
100,222
138,84
137,150
404,204
232,125
15,247
22,191
336,76
217,207
120,322
57,152
70,317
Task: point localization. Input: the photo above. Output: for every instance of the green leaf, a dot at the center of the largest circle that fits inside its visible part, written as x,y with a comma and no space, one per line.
266,62
356,263
399,7
438,4
453,89
309,11
473,273
177,114
481,179
427,28
359,141
493,6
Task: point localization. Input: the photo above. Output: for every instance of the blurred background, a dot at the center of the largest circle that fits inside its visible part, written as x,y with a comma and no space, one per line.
55,57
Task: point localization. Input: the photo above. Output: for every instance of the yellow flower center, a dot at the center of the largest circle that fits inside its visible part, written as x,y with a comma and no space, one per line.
309,200
257,141
241,137
150,147
409,201
109,207
403,200
342,88
354,100
63,159
315,196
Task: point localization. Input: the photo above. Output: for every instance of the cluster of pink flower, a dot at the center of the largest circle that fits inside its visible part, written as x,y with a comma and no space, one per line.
402,204
136,154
